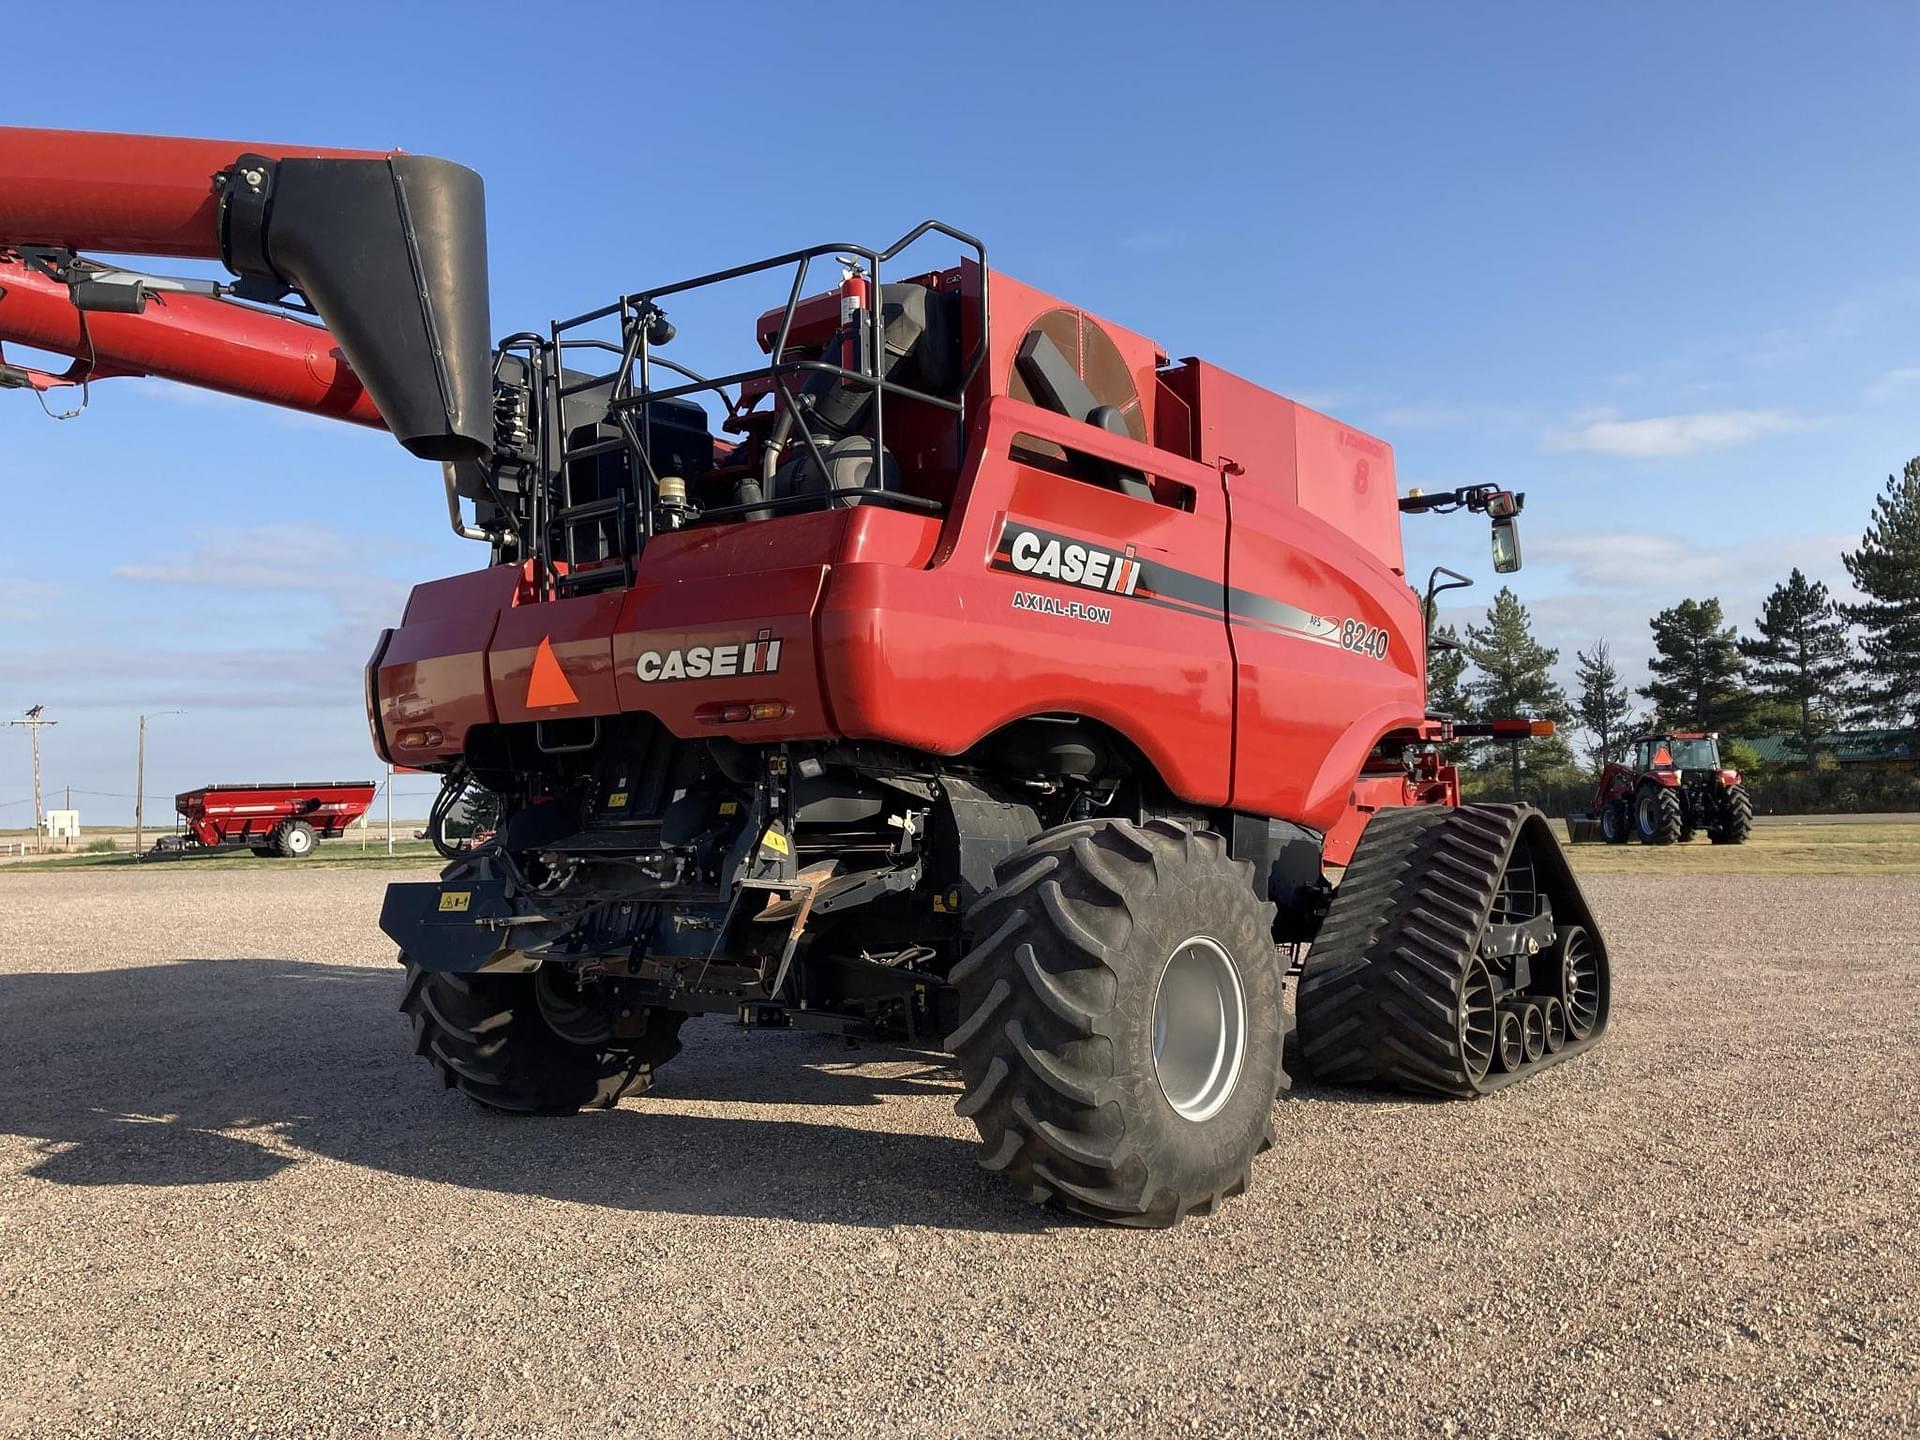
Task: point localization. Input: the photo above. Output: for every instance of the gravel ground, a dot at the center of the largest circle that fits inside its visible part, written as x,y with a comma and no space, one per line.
231,1202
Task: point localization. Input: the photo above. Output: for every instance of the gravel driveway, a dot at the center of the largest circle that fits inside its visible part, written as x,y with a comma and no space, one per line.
231,1201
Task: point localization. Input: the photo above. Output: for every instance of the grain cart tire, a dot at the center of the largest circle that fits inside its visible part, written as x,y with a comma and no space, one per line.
1736,818
1656,815
295,840
1122,1021
493,1037
1616,825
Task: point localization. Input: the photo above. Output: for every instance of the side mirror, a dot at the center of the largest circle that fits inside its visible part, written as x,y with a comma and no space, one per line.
1506,545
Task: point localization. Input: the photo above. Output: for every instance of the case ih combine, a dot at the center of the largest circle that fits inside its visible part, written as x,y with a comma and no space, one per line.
982,678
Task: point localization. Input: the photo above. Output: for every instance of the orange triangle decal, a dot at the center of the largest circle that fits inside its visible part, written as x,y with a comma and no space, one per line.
547,685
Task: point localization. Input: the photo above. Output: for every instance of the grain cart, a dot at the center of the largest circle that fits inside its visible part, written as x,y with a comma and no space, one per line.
278,819
1672,786
911,654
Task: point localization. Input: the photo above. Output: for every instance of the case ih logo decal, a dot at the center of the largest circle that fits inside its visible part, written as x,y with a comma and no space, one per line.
1027,550
758,656
1032,553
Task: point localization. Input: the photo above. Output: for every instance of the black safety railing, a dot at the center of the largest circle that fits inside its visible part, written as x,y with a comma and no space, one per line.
632,392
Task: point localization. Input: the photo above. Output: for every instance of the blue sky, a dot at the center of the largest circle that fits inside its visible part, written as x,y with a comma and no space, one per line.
1655,265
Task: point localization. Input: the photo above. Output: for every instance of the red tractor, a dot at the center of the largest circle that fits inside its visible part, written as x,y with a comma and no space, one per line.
1673,786
946,664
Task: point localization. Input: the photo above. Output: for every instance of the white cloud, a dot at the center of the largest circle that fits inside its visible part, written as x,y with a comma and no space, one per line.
276,557
1907,377
1675,565
1669,435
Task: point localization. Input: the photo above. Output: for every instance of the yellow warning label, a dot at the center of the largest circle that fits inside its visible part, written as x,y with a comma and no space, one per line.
776,842
617,799
729,807
455,899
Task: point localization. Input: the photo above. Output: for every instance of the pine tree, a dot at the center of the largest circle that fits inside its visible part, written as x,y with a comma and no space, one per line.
1603,707
1886,571
1446,669
1513,679
1697,669
1801,657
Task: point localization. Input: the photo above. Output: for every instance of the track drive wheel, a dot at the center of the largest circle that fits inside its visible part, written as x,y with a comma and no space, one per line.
295,840
520,1044
1736,818
1616,824
1656,815
1122,1021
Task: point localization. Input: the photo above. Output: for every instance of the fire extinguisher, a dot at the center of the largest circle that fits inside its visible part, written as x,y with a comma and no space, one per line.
856,296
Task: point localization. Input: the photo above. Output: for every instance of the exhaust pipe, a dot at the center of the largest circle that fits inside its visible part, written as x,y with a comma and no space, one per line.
392,253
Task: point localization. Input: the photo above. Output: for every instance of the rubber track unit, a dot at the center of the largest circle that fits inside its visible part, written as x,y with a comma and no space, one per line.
485,1037
1377,1003
1056,1005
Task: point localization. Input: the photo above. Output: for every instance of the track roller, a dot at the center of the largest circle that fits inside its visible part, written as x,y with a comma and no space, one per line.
1533,1031
1555,1016
1510,1050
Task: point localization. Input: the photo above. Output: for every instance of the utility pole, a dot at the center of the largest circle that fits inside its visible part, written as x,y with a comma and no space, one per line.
33,724
140,782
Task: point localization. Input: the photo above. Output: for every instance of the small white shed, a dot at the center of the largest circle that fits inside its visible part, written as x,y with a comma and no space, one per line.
63,824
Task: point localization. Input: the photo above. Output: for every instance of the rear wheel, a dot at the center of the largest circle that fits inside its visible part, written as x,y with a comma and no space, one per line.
1656,815
529,1045
295,840
1736,818
1122,1021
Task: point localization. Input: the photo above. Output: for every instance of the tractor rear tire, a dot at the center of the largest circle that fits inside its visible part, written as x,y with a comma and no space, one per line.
1122,1021
1656,815
1616,824
295,840
1737,818
486,1037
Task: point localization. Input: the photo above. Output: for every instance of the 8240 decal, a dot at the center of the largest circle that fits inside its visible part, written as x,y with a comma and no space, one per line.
1365,639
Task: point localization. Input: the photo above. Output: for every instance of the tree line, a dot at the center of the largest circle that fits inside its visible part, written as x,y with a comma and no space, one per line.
1811,664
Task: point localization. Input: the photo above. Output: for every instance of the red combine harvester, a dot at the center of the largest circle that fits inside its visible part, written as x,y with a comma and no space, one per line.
955,666
269,820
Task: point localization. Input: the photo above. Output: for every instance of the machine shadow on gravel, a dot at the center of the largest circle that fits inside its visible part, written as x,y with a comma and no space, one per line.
131,1076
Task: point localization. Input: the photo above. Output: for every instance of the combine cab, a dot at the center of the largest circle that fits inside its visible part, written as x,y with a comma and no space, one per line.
1674,787
952,666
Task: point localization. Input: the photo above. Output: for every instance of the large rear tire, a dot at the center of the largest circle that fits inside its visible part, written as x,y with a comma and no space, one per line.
295,840
486,1036
1122,1021
1656,815
1736,822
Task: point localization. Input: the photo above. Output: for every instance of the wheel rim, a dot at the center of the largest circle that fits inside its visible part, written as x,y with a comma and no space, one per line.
1199,1029
299,842
1579,984
1643,814
568,1013
1476,1021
